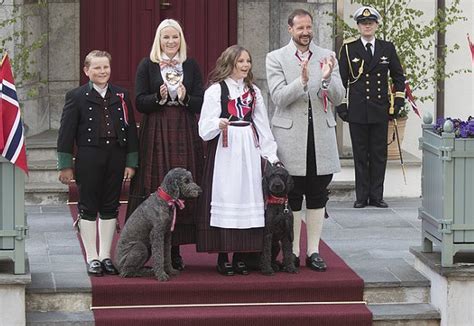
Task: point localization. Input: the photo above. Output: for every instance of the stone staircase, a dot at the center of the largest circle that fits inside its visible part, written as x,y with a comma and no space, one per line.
396,293
390,303
42,186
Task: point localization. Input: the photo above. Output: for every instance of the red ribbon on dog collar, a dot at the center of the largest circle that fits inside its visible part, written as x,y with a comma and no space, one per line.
172,203
274,200
277,200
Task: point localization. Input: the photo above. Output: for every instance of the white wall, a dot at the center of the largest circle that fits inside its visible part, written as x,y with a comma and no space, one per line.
460,88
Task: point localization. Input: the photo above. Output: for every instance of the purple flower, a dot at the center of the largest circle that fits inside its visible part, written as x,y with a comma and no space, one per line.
462,129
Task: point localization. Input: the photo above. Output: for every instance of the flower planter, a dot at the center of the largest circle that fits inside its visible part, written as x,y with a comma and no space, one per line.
12,215
447,184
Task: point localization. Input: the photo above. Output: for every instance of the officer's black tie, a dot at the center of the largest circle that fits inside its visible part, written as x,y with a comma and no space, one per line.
369,51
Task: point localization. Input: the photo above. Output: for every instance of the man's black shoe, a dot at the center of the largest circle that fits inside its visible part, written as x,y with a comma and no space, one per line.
94,268
108,267
360,203
378,203
316,263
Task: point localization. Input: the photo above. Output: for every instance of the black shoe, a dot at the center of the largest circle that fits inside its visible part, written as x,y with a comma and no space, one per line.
316,263
240,268
94,268
225,268
108,267
176,259
296,260
360,203
177,262
378,203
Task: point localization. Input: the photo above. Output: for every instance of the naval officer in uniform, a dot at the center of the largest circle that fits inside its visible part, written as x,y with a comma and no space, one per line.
366,65
98,119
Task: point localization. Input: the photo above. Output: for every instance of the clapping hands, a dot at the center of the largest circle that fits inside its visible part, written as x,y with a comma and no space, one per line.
328,66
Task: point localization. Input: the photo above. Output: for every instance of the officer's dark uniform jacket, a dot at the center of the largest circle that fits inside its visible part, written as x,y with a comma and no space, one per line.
368,100
81,123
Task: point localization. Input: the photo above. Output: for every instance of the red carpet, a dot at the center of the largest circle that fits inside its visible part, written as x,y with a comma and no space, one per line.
201,284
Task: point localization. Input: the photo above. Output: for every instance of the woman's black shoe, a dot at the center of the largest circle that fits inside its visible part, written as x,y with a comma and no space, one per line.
94,268
176,259
296,260
108,267
225,268
177,262
240,268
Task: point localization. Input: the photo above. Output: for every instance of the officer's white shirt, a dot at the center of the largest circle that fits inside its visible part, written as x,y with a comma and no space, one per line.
364,42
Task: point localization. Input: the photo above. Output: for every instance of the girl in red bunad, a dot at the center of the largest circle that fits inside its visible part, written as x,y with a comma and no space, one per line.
235,124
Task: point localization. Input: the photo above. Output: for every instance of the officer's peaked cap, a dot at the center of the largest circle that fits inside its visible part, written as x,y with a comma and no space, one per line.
366,13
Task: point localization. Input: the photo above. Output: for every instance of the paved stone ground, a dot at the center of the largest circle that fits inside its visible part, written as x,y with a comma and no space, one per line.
373,241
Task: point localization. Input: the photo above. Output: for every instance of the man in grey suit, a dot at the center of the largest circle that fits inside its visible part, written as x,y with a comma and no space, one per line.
303,78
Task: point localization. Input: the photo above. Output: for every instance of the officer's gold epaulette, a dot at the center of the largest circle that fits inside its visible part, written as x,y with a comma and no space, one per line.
346,41
350,40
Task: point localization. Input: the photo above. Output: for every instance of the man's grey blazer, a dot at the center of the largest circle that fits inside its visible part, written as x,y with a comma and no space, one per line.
290,121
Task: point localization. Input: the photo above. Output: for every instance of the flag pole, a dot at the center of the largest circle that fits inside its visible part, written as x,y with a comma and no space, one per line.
3,59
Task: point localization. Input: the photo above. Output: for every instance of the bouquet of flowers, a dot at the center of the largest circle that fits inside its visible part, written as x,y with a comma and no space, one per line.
460,128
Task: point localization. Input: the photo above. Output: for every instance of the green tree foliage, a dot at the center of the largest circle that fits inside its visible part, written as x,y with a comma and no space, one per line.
14,36
415,41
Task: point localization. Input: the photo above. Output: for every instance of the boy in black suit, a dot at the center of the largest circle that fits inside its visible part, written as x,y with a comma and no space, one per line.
98,119
365,65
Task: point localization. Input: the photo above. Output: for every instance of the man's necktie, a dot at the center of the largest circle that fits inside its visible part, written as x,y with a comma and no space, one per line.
369,51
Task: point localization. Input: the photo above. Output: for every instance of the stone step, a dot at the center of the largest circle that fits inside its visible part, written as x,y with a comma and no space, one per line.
383,315
394,294
83,318
42,171
42,146
43,193
343,190
407,314
80,299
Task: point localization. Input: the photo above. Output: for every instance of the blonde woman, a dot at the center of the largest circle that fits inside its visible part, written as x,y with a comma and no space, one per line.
169,95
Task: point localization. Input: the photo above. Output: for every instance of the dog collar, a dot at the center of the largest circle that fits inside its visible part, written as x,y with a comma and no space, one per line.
172,203
274,200
277,200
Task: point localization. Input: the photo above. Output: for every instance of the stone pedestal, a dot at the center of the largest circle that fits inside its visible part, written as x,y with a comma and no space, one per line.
12,294
452,288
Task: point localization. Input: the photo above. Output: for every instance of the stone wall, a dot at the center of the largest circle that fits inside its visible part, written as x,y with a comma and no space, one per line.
263,27
64,67
57,62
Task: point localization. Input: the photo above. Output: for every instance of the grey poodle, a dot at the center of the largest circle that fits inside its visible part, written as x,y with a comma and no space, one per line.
147,232
276,184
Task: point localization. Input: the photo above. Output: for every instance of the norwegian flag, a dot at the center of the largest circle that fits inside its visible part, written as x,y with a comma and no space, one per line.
240,106
12,140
